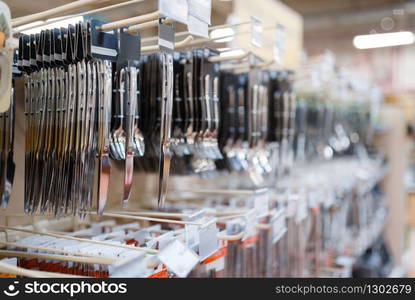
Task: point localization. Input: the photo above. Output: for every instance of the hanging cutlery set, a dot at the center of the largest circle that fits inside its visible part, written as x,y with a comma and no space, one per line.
166,112
68,107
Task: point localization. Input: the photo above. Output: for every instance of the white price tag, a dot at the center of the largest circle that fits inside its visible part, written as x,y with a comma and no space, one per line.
279,225
140,236
197,27
279,46
165,239
174,9
178,258
250,223
192,231
256,32
133,266
208,239
261,203
291,205
200,9
302,209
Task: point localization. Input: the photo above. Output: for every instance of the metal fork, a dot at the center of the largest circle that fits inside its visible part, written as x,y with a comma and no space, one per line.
165,130
118,136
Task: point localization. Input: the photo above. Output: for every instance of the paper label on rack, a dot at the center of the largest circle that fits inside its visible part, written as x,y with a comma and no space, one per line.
201,9
291,205
192,235
279,45
132,267
103,51
197,27
178,258
192,231
256,32
166,44
140,236
166,38
261,203
250,223
208,239
302,209
174,9
279,225
165,239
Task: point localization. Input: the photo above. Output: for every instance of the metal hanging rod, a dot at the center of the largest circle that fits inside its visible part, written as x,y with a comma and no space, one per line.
126,216
147,25
131,21
53,12
85,13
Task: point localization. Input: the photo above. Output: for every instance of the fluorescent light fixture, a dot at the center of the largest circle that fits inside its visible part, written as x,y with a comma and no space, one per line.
59,23
227,33
232,53
383,40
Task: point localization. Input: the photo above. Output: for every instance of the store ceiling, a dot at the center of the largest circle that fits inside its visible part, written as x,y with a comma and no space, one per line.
310,8
333,17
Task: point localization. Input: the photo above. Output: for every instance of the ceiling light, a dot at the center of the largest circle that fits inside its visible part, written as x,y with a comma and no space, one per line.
383,40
